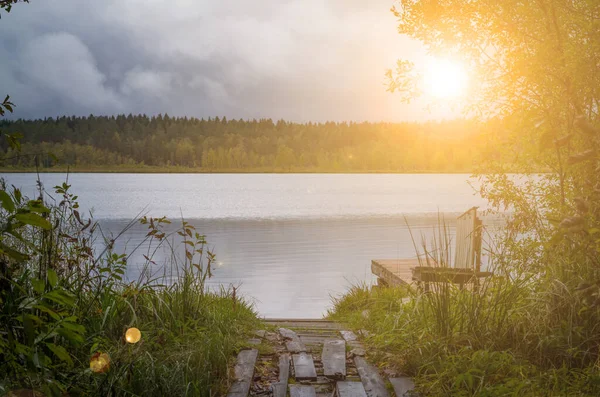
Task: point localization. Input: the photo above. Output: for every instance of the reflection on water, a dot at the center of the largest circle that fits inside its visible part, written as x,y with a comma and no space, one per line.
289,240
291,268
251,196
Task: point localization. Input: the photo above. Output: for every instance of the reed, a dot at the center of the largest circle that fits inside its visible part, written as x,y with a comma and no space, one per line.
521,332
65,301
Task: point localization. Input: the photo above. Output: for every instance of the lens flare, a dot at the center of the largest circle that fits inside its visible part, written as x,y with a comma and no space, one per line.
133,335
100,363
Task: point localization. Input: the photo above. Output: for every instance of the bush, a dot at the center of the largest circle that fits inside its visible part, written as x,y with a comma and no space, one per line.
521,332
64,304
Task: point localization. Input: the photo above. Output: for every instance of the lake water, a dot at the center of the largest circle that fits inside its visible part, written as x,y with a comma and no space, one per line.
288,241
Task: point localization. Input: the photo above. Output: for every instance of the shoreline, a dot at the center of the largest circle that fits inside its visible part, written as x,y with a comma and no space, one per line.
182,170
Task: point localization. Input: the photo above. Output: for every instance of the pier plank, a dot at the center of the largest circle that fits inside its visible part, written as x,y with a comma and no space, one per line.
303,323
239,388
302,391
243,372
394,271
349,336
402,385
284,367
280,388
350,389
373,383
293,343
334,359
304,367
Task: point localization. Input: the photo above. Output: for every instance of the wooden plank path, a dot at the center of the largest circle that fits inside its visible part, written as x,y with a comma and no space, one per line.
309,358
464,269
371,380
402,385
304,367
350,389
334,359
394,271
280,387
293,343
302,391
243,372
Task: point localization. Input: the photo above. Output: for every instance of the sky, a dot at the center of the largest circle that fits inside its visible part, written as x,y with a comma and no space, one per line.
298,60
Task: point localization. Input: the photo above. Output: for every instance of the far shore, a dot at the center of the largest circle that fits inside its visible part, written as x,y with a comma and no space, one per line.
186,170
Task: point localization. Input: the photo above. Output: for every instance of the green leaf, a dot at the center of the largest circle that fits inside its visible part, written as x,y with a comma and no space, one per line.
61,353
70,324
38,285
34,220
46,309
17,193
18,256
52,278
27,303
33,318
37,206
71,336
14,140
7,202
61,297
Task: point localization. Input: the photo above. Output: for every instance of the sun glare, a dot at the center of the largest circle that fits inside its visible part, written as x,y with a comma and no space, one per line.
444,79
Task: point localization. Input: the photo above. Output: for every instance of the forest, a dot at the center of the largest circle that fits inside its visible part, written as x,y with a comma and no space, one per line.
216,144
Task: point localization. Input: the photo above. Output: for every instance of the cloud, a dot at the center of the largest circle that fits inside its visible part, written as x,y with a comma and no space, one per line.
61,66
147,82
296,59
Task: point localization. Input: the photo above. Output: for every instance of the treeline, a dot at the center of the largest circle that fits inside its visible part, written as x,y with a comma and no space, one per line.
219,144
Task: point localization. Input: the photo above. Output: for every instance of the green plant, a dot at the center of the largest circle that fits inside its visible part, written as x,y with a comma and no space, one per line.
517,333
65,299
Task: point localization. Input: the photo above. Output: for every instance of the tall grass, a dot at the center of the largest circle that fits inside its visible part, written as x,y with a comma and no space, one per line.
520,332
63,301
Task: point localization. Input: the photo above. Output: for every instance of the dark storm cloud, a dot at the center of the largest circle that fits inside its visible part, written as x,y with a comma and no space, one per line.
297,59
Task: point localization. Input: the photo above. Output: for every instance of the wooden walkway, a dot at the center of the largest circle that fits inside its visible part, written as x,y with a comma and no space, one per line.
466,268
310,358
394,271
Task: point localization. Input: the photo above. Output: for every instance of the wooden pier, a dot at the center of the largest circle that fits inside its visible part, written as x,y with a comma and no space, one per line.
394,271
466,268
310,358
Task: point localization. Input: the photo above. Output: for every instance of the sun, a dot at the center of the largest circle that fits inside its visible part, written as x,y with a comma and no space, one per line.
444,79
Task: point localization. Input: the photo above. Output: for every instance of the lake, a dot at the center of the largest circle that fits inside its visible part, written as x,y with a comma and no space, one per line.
288,241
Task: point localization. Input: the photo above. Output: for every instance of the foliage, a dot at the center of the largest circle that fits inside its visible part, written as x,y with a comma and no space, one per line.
532,328
13,140
518,332
65,307
6,5
219,144
64,302
466,343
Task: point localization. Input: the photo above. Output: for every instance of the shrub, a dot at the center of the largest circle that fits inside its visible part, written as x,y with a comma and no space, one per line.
65,302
